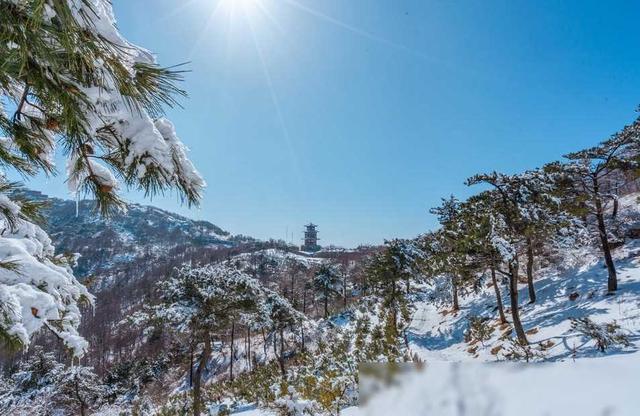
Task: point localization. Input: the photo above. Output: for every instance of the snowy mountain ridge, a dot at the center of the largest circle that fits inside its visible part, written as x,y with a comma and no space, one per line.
142,231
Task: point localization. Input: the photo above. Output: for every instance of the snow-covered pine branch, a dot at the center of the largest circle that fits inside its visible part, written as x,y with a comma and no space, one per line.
37,288
72,76
71,84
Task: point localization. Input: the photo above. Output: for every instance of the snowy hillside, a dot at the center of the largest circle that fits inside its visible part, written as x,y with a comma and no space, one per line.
467,376
142,231
467,373
458,380
566,359
438,334
573,289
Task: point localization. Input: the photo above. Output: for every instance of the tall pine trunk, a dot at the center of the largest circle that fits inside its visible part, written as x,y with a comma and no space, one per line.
515,311
279,357
249,348
304,301
282,369
264,345
394,308
326,303
191,366
231,350
454,290
292,288
344,290
202,363
503,319
530,260
612,281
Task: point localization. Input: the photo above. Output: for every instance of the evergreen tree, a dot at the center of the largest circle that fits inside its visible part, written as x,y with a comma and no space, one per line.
508,229
387,271
43,386
476,212
41,369
327,282
70,84
278,314
201,302
534,211
592,175
450,250
79,390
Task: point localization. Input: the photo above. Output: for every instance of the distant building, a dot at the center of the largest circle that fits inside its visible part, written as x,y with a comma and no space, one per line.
310,238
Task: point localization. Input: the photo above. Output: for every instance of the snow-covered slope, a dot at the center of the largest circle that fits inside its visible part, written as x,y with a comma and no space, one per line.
570,375
575,288
580,291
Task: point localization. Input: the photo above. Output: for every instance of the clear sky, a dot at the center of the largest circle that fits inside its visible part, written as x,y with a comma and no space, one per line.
361,114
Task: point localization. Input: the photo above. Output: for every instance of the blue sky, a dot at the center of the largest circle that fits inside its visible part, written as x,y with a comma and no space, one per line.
360,115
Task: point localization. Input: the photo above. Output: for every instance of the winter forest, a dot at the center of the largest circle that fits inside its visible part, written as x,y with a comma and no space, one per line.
114,308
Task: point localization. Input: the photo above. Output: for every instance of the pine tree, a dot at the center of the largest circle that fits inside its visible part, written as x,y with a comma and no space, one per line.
70,84
41,369
507,233
592,184
475,212
399,263
278,315
449,249
200,302
44,386
327,282
79,390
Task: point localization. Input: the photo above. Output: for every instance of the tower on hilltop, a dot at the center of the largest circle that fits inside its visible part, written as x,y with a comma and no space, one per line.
310,238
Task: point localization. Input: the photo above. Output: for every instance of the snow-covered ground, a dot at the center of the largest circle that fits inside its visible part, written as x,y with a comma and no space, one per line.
436,334
586,388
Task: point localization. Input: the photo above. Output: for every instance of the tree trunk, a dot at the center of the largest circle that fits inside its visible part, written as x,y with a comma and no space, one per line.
326,303
530,259
344,289
515,312
279,357
454,290
231,350
191,366
249,347
202,363
503,319
78,397
282,369
394,306
304,301
612,281
264,345
292,287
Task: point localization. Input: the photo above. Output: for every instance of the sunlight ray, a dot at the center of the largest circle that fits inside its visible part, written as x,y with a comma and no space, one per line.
368,35
276,103
206,27
267,13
